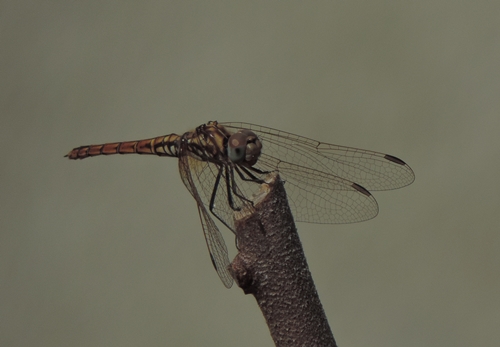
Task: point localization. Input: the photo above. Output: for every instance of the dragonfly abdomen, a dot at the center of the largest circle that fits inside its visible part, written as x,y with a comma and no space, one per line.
161,146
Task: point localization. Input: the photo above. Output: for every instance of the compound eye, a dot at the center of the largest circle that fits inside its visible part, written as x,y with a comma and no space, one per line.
253,149
236,147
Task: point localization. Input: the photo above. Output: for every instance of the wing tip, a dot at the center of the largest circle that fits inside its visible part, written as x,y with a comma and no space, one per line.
394,159
361,189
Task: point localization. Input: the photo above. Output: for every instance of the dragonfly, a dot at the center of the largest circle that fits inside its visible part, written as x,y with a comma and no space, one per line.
223,164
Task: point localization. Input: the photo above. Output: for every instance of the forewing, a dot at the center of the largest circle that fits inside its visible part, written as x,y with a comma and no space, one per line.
372,170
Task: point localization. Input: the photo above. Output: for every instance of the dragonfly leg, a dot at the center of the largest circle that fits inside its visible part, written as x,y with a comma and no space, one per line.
230,188
251,177
234,187
214,191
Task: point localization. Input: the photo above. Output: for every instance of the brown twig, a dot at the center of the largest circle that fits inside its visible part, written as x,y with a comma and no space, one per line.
272,267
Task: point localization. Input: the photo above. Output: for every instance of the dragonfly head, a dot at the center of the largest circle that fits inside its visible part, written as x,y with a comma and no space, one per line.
244,147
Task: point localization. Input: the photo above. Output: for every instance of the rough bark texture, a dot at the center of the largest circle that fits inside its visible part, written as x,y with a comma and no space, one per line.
272,267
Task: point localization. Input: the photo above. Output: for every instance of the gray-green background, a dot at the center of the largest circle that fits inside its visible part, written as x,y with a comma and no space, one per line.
109,251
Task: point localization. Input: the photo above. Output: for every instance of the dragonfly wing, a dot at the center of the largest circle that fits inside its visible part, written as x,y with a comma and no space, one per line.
372,170
216,247
320,197
196,178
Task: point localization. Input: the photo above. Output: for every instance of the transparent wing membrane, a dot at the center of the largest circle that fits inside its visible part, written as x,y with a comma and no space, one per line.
372,170
325,183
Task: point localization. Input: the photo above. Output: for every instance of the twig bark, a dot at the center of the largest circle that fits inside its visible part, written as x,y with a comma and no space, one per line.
272,267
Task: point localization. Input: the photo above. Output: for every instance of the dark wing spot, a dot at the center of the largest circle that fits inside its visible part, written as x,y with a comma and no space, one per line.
394,159
361,189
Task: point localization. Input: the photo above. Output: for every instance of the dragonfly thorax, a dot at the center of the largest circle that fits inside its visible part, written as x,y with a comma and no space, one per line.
244,147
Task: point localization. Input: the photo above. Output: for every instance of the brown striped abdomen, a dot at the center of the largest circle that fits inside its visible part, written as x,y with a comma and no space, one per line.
161,145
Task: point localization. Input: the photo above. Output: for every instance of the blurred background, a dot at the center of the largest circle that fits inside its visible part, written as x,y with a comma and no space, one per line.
109,251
